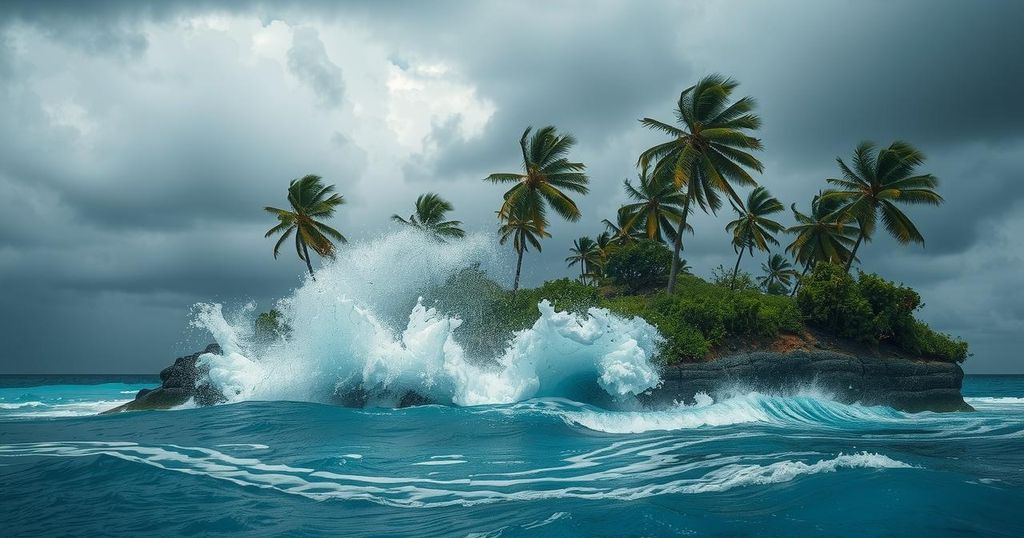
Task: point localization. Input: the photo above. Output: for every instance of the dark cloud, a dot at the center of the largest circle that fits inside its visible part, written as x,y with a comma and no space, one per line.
141,140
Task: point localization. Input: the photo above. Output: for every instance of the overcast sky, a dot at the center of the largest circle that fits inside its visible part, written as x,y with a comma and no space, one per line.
140,140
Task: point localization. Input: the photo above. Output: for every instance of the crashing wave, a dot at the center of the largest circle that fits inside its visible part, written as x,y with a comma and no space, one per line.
343,344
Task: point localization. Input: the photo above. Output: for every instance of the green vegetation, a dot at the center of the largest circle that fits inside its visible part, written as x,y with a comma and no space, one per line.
778,274
657,207
270,326
430,217
708,154
876,183
585,253
872,310
753,229
640,266
310,200
547,173
523,232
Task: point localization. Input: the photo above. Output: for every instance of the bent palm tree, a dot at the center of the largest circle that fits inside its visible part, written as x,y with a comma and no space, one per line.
874,185
823,235
310,200
753,229
777,272
658,206
586,253
547,172
523,232
430,215
708,152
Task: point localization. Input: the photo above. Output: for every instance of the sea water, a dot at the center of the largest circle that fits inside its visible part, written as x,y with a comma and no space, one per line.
757,464
543,438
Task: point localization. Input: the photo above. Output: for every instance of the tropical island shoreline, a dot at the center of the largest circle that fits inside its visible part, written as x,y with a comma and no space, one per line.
729,340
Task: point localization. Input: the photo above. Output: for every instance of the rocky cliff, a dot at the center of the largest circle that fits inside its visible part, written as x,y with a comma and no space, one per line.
908,385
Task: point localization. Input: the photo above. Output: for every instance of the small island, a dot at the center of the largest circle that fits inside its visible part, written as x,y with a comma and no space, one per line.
810,321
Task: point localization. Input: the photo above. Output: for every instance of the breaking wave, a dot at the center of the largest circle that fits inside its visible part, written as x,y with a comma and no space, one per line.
346,340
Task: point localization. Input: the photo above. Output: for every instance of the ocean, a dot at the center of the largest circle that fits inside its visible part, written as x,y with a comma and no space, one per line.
739,464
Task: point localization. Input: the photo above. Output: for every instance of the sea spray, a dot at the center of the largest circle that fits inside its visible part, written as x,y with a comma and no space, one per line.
346,342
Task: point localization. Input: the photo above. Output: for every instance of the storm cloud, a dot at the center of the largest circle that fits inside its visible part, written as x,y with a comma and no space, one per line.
141,139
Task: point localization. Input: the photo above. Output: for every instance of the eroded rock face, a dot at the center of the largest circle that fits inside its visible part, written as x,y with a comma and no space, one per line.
904,384
178,384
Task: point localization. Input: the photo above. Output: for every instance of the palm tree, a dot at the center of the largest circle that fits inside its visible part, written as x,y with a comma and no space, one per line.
657,208
708,152
622,231
547,172
310,200
430,215
777,272
606,245
879,180
824,235
586,253
753,228
523,232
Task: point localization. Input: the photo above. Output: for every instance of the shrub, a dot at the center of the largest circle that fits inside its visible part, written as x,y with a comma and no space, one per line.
568,295
830,299
923,340
872,310
721,276
640,266
892,306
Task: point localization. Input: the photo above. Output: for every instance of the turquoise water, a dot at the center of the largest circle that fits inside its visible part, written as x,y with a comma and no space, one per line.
747,464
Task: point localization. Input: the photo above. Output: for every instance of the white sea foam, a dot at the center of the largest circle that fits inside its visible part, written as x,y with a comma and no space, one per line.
997,400
800,408
622,471
342,338
58,410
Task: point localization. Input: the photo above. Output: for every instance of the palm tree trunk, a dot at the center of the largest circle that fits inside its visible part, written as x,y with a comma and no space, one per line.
853,254
796,285
305,252
736,270
673,271
519,267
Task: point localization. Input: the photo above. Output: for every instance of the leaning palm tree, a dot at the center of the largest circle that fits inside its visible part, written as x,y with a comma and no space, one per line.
778,272
657,206
708,152
878,180
310,200
547,173
753,229
523,232
430,217
825,235
586,253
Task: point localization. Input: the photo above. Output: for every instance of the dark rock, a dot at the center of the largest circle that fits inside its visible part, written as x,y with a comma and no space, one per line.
179,383
904,384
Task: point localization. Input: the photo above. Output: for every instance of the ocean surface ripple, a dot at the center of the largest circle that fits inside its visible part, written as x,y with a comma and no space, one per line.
744,463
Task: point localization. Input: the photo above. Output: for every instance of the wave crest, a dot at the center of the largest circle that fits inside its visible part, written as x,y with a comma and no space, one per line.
342,345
